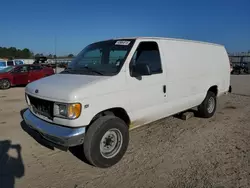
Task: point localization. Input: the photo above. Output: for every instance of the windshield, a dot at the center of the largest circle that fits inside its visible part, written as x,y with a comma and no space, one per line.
7,69
101,58
2,64
18,62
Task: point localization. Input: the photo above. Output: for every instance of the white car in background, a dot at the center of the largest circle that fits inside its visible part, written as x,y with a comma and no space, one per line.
3,64
15,62
10,63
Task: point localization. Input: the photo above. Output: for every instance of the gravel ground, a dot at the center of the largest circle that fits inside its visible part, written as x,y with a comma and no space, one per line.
169,153
241,84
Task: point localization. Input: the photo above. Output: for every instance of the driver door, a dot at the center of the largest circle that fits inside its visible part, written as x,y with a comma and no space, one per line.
147,93
20,75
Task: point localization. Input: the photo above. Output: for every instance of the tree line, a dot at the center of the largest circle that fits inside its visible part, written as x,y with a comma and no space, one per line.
14,53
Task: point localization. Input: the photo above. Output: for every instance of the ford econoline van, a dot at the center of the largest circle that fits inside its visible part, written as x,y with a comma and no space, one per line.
116,85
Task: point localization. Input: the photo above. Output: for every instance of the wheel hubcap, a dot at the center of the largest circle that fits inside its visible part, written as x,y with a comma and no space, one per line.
211,105
5,84
111,143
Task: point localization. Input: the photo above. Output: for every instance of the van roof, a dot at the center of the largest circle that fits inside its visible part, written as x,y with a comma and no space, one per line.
165,38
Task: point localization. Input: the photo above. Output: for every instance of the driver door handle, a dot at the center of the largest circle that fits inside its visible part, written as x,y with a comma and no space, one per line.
164,88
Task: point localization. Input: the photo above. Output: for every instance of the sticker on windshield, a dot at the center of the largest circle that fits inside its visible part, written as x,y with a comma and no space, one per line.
122,42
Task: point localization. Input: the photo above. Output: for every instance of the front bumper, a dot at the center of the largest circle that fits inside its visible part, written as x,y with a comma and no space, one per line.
59,135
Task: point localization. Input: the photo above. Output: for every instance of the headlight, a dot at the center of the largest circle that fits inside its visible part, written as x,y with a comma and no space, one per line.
70,111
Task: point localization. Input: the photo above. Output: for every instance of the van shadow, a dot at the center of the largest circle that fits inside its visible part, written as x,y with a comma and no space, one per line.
10,167
77,151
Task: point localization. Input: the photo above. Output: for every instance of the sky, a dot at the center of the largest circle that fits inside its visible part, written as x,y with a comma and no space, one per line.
73,24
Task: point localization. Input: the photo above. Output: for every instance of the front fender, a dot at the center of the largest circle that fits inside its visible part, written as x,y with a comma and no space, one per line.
95,105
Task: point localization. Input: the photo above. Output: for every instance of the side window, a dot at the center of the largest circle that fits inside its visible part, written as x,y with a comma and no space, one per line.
148,53
34,68
10,63
21,69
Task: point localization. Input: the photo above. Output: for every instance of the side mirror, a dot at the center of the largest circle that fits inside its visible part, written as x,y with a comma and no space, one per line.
141,69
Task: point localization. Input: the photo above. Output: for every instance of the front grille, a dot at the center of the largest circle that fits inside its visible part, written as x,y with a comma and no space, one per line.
42,107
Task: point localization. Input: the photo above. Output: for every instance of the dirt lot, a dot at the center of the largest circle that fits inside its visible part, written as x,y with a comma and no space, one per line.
169,153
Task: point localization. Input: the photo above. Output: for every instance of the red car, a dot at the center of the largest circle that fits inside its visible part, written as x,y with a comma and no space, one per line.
22,75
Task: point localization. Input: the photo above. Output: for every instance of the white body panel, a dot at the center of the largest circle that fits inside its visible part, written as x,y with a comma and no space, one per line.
28,61
189,70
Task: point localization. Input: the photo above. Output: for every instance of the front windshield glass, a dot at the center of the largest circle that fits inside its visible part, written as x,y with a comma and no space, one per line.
18,62
2,64
7,69
101,58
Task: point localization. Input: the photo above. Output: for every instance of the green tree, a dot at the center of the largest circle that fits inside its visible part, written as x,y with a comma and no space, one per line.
70,55
26,53
37,55
13,53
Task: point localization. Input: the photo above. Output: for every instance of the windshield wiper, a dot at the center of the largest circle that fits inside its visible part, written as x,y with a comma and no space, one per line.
92,70
78,71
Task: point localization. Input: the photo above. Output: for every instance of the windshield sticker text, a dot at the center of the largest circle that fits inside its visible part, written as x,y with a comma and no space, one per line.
122,43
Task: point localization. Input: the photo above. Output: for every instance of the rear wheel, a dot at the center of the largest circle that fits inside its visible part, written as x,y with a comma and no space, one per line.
5,84
208,107
106,141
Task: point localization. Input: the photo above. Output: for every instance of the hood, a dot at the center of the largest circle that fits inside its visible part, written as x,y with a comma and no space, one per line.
63,87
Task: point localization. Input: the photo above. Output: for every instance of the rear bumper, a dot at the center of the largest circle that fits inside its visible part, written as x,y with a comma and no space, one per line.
59,135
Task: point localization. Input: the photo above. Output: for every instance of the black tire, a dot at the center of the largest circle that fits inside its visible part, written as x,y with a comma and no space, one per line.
204,109
93,138
5,84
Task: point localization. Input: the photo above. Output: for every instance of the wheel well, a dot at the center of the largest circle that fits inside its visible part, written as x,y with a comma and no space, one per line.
214,89
6,79
118,112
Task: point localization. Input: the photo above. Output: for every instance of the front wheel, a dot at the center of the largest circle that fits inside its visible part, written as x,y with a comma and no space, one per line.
208,107
106,141
5,84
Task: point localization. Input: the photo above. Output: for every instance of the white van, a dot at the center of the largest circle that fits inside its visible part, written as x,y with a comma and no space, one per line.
116,85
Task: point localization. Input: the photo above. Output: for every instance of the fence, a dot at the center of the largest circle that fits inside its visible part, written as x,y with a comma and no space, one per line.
240,59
